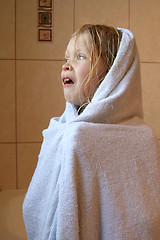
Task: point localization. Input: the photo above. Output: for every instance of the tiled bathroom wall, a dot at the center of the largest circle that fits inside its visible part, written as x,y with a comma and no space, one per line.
30,86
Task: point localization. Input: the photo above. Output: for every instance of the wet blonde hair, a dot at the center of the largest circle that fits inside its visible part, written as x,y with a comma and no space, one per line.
103,43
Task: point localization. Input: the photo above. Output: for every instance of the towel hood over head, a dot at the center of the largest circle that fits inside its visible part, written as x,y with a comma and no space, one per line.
118,97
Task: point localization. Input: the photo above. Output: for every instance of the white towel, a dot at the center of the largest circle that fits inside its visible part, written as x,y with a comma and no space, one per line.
98,174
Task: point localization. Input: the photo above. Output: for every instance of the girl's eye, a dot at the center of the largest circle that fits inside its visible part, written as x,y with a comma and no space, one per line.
66,60
80,57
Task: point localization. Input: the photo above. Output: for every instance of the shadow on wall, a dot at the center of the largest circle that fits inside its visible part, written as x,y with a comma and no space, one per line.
11,220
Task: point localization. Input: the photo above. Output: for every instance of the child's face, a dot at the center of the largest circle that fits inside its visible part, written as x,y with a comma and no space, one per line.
76,70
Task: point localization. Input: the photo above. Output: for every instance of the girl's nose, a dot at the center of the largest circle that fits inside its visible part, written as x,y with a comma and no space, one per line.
67,66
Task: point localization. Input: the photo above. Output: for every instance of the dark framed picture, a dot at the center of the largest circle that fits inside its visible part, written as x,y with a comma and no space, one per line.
45,3
45,35
45,18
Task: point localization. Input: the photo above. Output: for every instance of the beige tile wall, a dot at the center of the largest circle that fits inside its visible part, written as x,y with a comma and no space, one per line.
30,87
38,92
7,27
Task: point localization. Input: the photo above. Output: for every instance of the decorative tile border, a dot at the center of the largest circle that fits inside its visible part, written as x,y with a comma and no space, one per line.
45,20
45,3
45,35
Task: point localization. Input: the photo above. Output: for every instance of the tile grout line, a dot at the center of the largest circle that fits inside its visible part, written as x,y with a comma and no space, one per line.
18,143
149,62
27,59
129,14
36,59
16,103
74,15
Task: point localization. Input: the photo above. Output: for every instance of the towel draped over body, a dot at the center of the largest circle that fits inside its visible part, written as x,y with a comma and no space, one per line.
98,173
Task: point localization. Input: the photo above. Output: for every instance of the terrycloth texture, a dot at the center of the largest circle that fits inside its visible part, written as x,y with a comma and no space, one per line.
98,174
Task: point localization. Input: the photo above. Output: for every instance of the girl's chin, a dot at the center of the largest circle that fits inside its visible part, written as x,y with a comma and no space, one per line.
76,102
72,96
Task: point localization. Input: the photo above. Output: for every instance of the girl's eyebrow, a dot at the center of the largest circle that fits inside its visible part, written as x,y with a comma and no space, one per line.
80,50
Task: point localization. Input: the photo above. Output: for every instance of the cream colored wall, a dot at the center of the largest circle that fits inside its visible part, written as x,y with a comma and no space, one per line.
30,86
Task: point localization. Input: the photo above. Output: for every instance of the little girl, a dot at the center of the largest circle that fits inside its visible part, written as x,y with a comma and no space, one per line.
98,172
89,56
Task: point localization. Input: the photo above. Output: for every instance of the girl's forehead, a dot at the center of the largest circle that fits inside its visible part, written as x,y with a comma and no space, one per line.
77,43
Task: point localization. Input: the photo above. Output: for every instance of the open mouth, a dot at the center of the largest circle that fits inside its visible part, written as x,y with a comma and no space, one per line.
67,81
